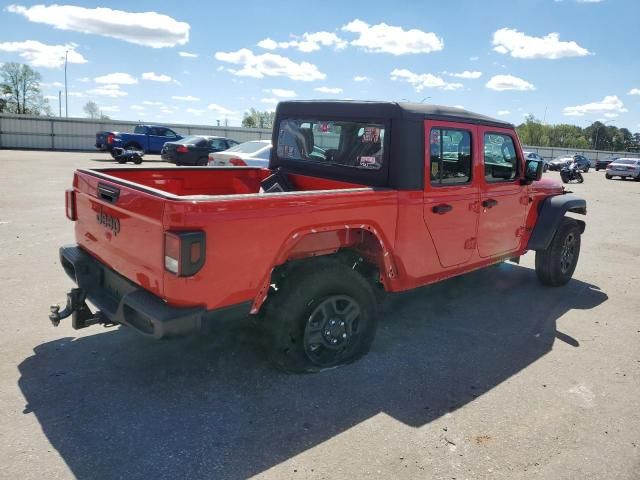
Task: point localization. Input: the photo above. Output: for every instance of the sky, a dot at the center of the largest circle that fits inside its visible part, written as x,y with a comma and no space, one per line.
563,61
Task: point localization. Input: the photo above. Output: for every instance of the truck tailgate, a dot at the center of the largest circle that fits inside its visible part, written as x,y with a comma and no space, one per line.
122,227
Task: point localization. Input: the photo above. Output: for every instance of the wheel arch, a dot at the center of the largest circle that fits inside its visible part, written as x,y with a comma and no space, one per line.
550,216
361,246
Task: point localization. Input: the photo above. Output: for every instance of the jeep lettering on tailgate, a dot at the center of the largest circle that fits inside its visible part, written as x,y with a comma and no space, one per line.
109,221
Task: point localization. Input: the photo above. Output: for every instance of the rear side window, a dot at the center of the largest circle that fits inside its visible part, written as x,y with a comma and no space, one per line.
450,156
140,129
333,142
500,159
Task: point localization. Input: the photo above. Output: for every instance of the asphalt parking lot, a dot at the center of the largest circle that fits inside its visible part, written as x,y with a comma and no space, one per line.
490,375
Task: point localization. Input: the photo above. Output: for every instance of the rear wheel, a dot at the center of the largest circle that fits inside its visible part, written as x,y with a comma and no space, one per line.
556,264
202,162
323,316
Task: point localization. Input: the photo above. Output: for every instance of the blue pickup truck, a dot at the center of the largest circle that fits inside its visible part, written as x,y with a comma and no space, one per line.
147,138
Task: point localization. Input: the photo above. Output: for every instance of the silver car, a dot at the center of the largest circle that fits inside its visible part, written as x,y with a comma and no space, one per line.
254,153
623,168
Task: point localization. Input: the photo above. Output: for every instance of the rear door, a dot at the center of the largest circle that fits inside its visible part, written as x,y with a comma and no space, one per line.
451,191
503,198
122,227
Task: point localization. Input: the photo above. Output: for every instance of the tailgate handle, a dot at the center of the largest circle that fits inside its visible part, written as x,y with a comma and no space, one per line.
108,193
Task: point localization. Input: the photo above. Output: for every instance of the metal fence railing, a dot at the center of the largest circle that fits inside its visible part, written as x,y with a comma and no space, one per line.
52,133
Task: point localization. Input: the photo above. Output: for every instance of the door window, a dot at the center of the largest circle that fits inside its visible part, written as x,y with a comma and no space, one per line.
450,156
500,159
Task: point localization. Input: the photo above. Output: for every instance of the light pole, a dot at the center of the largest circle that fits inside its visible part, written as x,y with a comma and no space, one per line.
66,98
60,103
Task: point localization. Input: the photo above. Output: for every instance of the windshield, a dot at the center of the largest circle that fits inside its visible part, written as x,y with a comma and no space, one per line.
352,144
248,147
192,140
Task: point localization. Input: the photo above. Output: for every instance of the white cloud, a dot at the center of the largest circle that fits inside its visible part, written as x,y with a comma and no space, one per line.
117,78
611,115
269,64
423,80
195,111
465,74
634,91
383,38
307,42
76,94
156,104
328,90
84,79
186,98
219,109
109,109
609,104
270,101
188,54
361,78
504,112
519,45
39,54
52,85
508,82
137,107
281,93
474,59
150,29
156,77
112,91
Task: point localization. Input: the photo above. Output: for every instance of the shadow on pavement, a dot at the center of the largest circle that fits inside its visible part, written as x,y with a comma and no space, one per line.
115,405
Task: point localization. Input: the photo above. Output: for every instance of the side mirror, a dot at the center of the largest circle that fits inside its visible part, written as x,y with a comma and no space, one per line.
533,170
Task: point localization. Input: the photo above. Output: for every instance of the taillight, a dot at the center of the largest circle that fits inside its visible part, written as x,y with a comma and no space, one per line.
184,252
70,204
237,162
110,138
182,149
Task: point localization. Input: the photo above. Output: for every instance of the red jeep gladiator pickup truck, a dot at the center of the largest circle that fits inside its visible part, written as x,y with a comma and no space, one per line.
360,198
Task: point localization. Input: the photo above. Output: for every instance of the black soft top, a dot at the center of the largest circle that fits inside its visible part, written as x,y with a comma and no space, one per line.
403,167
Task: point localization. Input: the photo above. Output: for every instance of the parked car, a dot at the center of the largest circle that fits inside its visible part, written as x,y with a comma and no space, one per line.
624,168
539,158
194,150
603,163
146,138
357,210
565,160
254,153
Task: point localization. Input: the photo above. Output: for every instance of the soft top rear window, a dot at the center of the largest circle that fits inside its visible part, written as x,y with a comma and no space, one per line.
332,142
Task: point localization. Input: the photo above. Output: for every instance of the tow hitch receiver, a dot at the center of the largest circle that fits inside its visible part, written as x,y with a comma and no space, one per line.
79,311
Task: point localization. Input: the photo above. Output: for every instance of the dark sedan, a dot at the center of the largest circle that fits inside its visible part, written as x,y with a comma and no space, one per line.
564,161
194,150
603,163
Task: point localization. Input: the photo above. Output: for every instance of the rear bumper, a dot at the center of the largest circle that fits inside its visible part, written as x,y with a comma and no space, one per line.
124,302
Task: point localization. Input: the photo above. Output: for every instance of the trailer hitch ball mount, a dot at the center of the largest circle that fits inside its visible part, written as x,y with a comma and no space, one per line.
78,310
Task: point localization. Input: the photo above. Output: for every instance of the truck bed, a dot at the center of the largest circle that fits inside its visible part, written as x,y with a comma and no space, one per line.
123,214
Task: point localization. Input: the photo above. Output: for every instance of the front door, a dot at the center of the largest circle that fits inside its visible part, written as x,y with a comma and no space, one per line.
451,193
503,198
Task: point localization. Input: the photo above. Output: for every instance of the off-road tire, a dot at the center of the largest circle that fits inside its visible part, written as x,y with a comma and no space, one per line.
552,265
289,317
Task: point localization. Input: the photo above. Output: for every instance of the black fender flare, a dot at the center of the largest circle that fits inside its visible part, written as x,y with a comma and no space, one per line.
550,215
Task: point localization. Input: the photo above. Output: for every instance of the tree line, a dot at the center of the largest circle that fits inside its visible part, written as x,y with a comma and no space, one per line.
596,136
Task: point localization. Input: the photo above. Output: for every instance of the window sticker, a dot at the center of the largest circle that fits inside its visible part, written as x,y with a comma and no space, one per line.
367,161
371,135
324,127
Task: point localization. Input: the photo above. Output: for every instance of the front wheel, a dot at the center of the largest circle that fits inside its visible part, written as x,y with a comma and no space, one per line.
579,177
323,316
556,264
607,176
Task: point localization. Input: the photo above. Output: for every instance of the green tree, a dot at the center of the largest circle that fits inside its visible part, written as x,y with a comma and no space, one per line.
257,119
91,109
20,85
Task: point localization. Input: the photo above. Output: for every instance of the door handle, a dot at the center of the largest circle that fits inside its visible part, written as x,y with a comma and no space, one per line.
489,203
442,209
108,193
